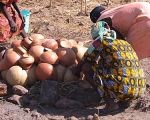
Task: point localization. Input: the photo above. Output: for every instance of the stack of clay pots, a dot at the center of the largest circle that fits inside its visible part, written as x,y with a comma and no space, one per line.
37,58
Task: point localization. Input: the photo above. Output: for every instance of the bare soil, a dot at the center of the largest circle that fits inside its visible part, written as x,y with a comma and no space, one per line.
63,18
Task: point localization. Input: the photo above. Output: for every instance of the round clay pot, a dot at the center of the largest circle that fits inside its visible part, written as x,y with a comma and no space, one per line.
36,42
73,42
49,57
16,76
32,78
64,43
26,61
66,56
11,58
50,43
36,36
37,39
36,52
44,71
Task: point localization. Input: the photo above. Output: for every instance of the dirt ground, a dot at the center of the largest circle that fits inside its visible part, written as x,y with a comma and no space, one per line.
63,18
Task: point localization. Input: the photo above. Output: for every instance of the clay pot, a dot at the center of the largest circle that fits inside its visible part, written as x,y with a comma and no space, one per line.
11,58
36,42
36,37
50,43
26,61
44,71
80,51
16,76
49,57
66,56
31,75
64,43
26,42
36,52
73,42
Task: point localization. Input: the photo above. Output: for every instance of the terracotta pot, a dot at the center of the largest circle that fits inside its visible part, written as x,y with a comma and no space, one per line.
36,36
26,61
36,52
50,43
37,39
49,57
73,42
32,78
11,58
64,43
36,42
66,56
26,42
44,71
80,51
16,76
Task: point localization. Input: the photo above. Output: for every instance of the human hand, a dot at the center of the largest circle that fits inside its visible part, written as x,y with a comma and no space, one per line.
13,27
23,19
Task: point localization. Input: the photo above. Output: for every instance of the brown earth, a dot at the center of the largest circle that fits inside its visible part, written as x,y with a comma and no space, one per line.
63,19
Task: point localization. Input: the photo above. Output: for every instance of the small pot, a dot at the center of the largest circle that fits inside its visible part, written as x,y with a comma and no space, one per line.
44,71
11,58
36,42
51,44
66,56
49,57
26,61
36,52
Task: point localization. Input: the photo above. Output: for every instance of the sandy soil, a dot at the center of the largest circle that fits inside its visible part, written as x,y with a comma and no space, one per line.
63,19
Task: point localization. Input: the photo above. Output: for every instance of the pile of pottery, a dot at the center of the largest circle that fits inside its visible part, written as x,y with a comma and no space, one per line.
37,58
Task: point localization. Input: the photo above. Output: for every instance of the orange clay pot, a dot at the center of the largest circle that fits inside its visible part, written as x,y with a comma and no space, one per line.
66,56
50,43
36,52
44,71
26,61
49,57
11,58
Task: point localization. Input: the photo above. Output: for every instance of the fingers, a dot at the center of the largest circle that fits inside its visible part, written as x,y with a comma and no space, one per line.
13,29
